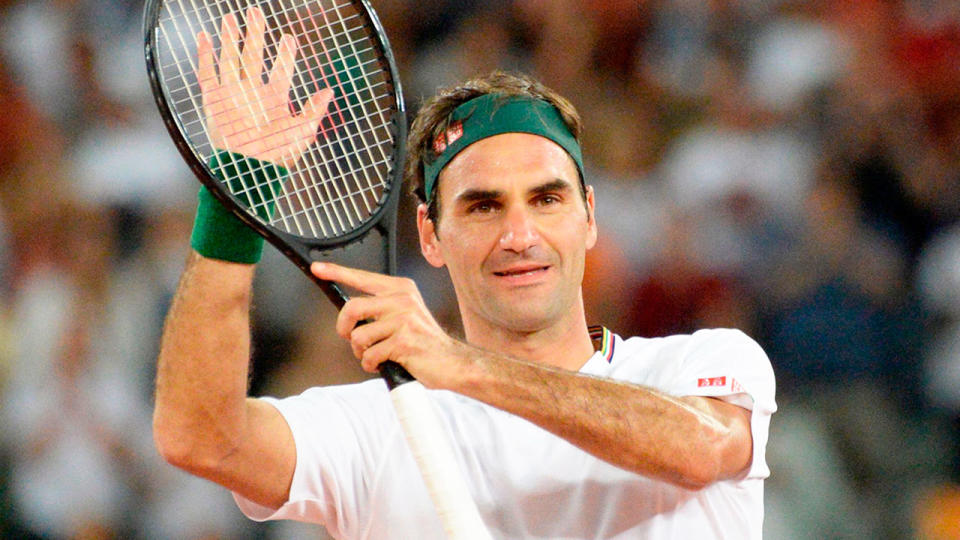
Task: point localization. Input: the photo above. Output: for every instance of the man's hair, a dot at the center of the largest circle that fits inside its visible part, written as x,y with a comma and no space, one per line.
433,118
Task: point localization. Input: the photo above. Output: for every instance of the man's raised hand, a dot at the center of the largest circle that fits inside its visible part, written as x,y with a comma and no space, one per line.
243,113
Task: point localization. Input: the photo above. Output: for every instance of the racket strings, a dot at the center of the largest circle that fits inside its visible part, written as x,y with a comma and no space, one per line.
324,53
363,103
346,197
352,43
341,180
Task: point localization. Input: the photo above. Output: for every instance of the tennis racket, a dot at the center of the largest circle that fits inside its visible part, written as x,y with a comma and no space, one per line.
245,78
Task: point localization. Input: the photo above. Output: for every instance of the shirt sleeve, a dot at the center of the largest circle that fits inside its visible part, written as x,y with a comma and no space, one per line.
340,434
728,365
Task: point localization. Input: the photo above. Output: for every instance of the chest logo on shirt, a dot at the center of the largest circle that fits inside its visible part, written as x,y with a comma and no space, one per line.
711,381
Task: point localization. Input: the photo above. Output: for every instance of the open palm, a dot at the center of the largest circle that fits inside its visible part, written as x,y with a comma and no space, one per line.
243,113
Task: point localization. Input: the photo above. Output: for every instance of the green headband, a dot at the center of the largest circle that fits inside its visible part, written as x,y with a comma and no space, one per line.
494,114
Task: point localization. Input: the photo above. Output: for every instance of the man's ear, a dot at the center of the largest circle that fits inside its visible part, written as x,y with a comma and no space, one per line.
591,219
428,237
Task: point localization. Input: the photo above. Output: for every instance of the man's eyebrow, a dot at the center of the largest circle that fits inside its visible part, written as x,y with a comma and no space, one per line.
558,184
473,195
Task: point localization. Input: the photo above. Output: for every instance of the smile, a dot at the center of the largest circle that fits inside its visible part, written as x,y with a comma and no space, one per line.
528,271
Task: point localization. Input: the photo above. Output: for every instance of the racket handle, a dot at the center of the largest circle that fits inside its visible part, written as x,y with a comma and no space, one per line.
443,477
394,374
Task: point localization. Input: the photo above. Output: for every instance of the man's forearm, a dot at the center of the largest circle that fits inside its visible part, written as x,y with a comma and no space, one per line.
203,365
689,442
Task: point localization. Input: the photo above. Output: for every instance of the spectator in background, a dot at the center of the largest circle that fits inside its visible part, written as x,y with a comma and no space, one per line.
75,424
482,42
37,40
844,338
938,282
680,295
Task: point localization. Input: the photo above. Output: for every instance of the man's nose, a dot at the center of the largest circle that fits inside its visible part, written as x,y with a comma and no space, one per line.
519,231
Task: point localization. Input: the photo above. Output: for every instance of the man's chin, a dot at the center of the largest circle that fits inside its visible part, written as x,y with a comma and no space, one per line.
521,317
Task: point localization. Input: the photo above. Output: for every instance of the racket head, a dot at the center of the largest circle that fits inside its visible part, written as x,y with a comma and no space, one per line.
350,177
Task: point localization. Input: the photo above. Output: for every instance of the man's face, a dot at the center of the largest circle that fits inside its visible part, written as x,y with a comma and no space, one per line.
513,232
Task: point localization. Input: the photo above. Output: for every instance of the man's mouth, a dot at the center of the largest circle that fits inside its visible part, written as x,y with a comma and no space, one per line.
527,270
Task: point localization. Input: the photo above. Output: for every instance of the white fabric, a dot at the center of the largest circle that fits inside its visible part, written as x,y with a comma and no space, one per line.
355,474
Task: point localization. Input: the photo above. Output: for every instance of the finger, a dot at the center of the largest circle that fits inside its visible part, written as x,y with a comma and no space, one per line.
362,309
229,50
316,107
350,314
206,70
312,114
361,280
253,40
365,336
306,124
281,74
376,354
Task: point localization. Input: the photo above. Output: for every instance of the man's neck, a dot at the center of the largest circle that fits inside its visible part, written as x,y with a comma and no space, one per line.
565,344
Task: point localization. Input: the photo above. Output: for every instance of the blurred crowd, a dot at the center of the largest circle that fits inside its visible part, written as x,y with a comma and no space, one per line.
787,167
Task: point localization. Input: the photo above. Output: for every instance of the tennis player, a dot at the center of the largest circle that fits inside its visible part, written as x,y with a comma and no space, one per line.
561,431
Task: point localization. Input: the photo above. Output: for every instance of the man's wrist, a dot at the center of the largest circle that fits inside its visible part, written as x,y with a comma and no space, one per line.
217,233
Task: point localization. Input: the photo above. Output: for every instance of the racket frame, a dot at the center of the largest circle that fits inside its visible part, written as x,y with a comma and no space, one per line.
300,250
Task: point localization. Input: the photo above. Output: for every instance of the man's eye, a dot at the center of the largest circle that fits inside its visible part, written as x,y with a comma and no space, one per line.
484,207
547,200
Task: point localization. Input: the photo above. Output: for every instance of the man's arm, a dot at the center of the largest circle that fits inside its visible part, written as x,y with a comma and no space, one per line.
690,442
203,421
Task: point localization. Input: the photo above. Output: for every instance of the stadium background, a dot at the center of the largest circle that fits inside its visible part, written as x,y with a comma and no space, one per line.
791,168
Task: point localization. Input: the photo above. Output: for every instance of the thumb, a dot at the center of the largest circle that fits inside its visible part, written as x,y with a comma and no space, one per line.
316,107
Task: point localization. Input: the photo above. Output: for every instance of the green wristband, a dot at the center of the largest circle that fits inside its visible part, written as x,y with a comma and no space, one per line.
217,233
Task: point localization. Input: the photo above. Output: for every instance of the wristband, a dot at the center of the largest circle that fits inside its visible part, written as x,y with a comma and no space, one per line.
217,233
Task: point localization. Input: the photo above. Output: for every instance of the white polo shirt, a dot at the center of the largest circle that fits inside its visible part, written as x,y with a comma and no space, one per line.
355,475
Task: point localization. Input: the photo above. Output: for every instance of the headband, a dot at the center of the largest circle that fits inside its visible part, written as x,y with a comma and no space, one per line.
494,114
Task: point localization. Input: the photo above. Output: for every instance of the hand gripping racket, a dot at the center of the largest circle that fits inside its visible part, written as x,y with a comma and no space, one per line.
343,168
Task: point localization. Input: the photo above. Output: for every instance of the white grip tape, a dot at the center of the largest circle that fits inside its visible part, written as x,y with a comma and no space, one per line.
443,477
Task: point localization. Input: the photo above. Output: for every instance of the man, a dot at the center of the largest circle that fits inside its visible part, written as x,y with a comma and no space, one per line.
558,436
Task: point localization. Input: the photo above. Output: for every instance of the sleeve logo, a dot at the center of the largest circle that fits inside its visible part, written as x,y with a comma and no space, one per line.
711,381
